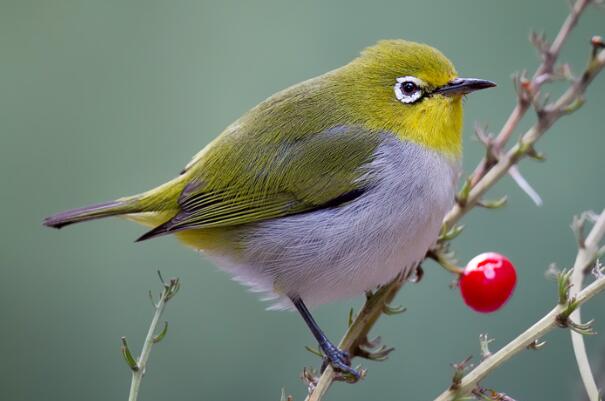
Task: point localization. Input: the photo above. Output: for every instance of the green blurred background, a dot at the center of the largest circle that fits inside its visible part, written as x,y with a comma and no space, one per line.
100,99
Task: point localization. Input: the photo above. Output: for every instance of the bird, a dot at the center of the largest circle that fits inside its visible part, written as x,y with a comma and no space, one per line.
325,190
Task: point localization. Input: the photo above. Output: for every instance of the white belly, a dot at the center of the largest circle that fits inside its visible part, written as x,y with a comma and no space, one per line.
340,252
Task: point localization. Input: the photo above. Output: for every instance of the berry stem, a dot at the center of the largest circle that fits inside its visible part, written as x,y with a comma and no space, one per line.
445,262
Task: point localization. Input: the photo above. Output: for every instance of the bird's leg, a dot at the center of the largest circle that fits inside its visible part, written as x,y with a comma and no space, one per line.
340,360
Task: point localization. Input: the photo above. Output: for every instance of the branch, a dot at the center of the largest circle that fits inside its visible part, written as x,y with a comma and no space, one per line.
586,256
357,332
549,54
547,116
488,172
139,366
560,315
600,376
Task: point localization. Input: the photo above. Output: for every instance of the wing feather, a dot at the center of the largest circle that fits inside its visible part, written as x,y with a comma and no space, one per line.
268,180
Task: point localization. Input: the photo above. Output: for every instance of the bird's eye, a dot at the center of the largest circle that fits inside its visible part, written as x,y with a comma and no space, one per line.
408,89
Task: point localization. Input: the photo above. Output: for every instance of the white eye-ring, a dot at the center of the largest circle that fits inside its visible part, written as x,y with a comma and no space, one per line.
408,89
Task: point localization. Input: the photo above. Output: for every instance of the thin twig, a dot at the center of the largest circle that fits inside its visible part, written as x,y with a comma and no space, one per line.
139,366
585,257
546,68
523,148
544,325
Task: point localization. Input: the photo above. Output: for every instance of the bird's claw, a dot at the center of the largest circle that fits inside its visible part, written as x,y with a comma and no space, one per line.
341,363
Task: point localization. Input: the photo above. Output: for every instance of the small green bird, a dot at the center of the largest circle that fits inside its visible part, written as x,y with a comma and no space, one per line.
327,189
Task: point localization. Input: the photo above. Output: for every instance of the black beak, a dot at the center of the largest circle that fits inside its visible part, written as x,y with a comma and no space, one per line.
463,86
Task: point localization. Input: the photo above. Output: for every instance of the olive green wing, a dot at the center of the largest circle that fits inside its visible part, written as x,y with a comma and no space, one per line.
252,179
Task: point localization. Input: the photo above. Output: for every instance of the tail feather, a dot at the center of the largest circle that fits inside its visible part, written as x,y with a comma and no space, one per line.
91,212
152,208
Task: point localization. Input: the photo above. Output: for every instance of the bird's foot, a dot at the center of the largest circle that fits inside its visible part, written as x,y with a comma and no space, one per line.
341,362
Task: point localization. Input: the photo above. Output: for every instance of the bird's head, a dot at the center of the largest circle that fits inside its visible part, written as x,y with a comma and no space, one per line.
411,90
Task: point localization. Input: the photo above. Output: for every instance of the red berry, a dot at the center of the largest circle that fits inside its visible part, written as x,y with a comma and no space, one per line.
487,282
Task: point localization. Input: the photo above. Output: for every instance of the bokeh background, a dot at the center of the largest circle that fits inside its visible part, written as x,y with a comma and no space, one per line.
100,99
